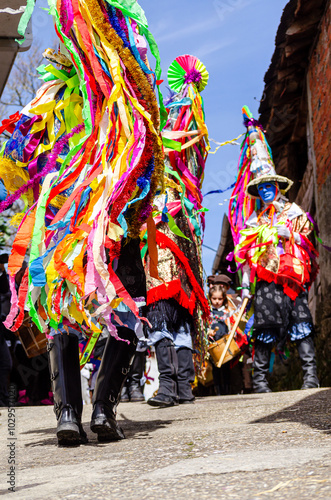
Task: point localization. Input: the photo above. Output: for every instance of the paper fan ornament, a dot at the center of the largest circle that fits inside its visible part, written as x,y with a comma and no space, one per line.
187,69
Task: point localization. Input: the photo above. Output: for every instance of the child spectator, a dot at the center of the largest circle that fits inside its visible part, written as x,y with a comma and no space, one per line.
219,303
228,378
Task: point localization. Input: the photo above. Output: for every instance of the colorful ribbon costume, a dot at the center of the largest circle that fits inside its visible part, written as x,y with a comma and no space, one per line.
179,214
86,155
175,296
290,263
277,260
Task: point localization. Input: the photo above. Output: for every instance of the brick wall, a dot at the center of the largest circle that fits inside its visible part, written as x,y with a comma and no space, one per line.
320,83
319,78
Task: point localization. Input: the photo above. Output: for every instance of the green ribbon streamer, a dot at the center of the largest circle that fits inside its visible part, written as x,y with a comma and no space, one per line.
32,310
34,253
158,72
82,85
132,9
169,143
89,348
46,76
26,16
174,228
176,175
185,202
189,206
144,251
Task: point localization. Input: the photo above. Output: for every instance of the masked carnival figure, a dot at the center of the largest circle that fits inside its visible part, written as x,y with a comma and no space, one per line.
276,257
86,157
175,286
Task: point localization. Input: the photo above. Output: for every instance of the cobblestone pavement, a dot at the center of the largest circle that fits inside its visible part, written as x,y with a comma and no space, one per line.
247,447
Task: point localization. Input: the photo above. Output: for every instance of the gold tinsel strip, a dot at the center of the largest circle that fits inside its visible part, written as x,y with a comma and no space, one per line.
102,25
129,61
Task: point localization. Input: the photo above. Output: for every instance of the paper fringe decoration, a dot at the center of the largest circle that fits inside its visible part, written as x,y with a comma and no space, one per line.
187,69
185,137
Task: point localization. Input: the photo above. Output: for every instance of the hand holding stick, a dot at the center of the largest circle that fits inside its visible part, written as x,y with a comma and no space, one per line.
233,331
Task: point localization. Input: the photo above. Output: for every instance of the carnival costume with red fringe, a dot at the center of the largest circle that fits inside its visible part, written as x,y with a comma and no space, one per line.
287,263
278,270
178,213
177,296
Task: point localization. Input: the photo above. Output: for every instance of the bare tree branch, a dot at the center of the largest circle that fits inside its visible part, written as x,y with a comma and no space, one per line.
20,89
23,81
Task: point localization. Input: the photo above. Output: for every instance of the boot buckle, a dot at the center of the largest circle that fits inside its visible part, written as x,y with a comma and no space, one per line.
53,376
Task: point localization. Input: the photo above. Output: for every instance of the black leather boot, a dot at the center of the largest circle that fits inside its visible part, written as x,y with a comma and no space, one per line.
112,374
261,366
167,362
64,365
135,376
306,351
185,376
125,394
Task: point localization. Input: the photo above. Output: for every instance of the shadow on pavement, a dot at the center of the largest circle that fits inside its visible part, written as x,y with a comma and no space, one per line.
136,429
141,429
20,488
313,411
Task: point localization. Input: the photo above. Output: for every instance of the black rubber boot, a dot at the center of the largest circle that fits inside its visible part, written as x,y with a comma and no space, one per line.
306,351
112,374
261,367
167,362
64,365
135,376
125,394
186,375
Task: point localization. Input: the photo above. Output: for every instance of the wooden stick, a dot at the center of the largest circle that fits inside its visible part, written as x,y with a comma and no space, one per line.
233,331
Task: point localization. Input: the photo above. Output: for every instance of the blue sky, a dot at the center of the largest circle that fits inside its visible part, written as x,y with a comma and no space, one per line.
235,41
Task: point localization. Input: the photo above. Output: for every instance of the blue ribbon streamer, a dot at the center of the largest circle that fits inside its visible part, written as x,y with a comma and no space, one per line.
219,191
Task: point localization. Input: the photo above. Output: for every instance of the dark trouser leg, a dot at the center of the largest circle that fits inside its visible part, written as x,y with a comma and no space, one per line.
225,379
236,378
217,380
247,374
130,271
135,376
261,366
66,385
5,367
112,374
186,375
306,351
168,369
39,386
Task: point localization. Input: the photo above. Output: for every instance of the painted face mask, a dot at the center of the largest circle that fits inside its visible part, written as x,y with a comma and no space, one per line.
267,191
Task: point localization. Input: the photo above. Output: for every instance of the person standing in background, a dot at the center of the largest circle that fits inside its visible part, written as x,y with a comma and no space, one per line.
5,357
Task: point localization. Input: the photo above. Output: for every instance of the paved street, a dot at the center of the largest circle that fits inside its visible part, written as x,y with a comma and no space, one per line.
250,447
